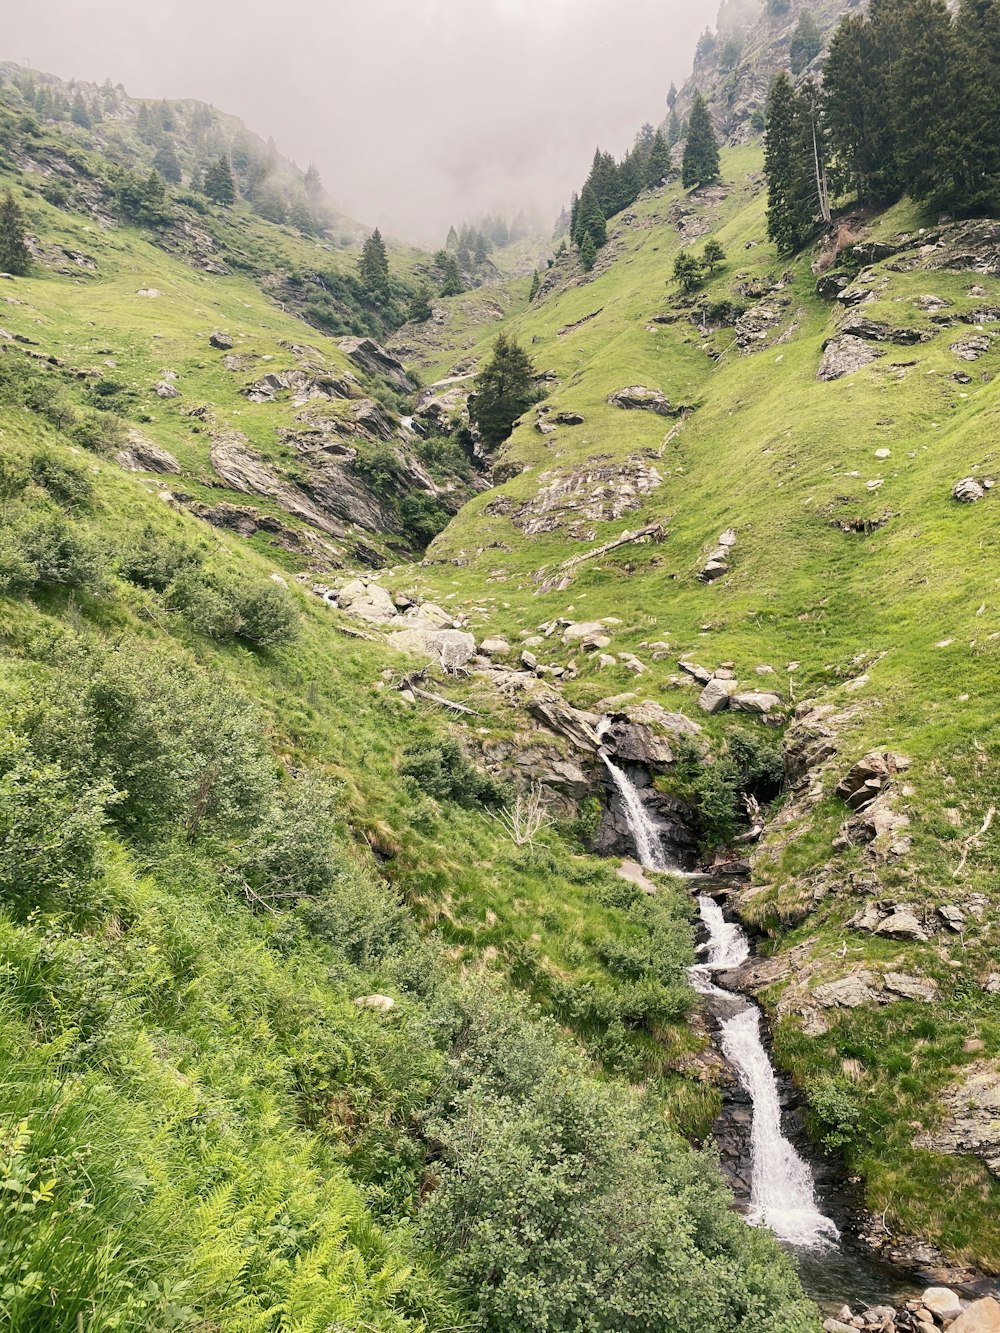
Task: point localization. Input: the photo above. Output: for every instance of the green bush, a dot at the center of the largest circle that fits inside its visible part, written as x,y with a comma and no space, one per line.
149,559
102,433
442,770
224,606
40,549
65,483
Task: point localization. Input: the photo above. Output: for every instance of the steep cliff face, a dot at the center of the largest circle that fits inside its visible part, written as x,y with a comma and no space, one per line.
734,65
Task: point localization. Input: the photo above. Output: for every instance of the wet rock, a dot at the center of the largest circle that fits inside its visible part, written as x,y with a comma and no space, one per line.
142,455
221,341
375,360
638,397
845,355
869,776
716,695
968,491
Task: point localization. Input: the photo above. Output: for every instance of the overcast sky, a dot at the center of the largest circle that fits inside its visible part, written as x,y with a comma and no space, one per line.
418,112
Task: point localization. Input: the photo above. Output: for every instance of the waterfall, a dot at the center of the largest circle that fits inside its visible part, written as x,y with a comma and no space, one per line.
645,834
781,1190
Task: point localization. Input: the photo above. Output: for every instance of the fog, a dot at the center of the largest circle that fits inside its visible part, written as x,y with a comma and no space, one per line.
418,113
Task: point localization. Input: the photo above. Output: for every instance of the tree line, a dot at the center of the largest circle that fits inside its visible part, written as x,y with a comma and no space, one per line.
907,107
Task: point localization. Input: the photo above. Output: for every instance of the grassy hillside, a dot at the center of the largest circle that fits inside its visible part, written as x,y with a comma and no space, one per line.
267,1064
856,578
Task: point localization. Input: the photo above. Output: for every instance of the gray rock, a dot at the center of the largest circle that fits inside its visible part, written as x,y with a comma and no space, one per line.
699,673
142,455
375,360
953,917
856,325
846,993
716,695
971,1121
980,1317
972,348
869,776
367,601
584,630
451,649
166,390
902,924
221,341
942,1302
911,988
968,490
380,1003
495,648
641,398
755,702
845,355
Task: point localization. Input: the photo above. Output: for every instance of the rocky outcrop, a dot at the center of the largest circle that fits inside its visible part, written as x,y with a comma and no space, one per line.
970,490
869,777
971,1120
717,564
637,397
810,743
141,454
221,341
241,470
855,325
575,501
972,347
845,355
644,732
304,387
373,359
451,649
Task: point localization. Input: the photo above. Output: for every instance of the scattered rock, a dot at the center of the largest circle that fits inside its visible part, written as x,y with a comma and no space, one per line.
855,325
568,419
221,341
699,673
869,776
972,348
911,988
367,601
451,649
142,455
847,993
902,924
981,1317
755,702
151,292
375,360
718,562
575,501
971,1123
953,918
380,1003
968,490
495,648
845,355
942,1302
164,389
639,397
716,695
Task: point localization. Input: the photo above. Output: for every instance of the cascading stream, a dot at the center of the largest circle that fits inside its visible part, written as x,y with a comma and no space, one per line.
782,1196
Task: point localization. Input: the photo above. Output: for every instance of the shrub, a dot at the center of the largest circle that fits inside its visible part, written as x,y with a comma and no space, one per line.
149,559
65,483
102,433
41,549
50,826
291,854
442,770
224,606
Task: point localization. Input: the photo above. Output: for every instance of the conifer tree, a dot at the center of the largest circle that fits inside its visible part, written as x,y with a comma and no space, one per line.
14,254
590,219
479,252
857,103
789,211
420,311
504,389
807,42
976,136
713,255
451,278
313,183
929,98
373,266
536,282
219,183
167,162
673,128
452,241
80,115
658,164
701,150
588,252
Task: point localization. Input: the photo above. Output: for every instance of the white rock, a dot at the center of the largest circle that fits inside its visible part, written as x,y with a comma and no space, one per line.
380,1003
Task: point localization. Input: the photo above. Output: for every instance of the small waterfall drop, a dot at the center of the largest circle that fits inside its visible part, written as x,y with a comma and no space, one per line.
782,1195
645,834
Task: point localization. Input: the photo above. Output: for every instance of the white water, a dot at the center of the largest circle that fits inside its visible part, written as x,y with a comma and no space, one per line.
781,1192
782,1196
645,834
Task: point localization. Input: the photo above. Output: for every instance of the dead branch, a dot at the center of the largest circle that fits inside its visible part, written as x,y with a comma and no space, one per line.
525,818
973,842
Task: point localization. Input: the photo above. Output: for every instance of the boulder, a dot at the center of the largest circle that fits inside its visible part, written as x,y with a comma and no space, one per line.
586,630
368,601
431,614
552,710
869,776
755,702
971,1121
638,397
981,1317
495,648
871,330
968,490
165,390
845,355
972,348
942,1303
699,673
911,988
902,924
375,360
380,1003
221,341
716,695
451,649
569,419
830,285
846,993
142,455
953,918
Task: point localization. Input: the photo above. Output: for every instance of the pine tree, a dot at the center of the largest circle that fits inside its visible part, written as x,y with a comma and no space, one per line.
712,256
451,278
857,103
420,310
975,151
219,183
480,253
588,252
167,162
80,115
688,271
536,282
929,95
373,266
504,390
590,220
807,42
452,241
14,254
701,150
789,209
658,163
673,128
313,183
